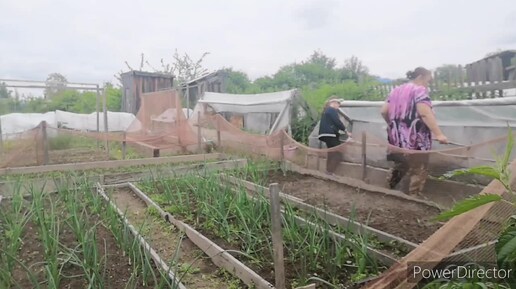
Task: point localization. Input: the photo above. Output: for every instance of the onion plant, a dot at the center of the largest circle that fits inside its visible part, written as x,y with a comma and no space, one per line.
231,214
13,219
48,223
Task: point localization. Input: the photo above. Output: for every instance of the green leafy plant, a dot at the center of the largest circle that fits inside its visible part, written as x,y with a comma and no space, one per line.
500,172
506,244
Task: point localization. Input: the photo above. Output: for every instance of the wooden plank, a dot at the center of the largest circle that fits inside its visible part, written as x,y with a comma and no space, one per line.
488,87
110,164
331,218
146,246
277,239
175,172
219,256
438,246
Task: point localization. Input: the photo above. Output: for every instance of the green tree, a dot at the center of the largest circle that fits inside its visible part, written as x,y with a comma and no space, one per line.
4,92
114,97
449,73
237,81
354,69
56,83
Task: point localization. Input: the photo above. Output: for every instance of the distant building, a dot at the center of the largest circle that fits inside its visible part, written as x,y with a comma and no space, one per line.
493,68
212,82
135,83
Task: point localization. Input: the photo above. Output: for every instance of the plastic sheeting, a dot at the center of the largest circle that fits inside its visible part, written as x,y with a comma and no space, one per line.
16,123
464,122
263,113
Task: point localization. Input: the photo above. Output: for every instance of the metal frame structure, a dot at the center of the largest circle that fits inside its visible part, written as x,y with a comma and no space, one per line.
71,86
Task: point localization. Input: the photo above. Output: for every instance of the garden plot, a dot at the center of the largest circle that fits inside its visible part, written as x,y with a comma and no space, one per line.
409,220
235,221
71,240
193,267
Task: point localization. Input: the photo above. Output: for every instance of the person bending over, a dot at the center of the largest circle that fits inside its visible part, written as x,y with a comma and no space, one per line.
329,128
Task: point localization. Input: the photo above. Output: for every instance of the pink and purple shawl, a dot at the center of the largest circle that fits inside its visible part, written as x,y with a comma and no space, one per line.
406,129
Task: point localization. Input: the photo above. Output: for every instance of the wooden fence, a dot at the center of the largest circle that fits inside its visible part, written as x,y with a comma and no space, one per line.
493,76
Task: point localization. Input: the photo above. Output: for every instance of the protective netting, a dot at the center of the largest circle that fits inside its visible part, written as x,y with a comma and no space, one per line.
469,238
159,125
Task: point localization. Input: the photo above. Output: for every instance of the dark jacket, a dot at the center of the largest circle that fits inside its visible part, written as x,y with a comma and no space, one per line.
330,123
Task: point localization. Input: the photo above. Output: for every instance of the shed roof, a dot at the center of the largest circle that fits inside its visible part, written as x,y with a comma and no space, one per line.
148,74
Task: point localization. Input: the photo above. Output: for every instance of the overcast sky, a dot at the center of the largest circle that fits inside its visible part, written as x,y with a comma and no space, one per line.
89,41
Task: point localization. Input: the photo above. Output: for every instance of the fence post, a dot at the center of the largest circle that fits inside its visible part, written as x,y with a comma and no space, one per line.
364,157
97,108
199,136
1,138
124,146
277,239
45,142
219,142
104,108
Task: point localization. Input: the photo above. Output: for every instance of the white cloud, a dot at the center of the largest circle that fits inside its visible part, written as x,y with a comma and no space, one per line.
90,40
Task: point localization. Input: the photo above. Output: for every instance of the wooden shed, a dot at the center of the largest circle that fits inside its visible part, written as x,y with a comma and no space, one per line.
194,89
494,68
135,83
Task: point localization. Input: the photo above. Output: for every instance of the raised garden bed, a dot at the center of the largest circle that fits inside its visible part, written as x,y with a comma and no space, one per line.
234,220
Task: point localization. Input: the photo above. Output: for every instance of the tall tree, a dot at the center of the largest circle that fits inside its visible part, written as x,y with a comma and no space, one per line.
56,83
449,73
4,92
354,68
184,68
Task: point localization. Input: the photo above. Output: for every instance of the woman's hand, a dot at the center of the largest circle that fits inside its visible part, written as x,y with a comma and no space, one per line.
441,139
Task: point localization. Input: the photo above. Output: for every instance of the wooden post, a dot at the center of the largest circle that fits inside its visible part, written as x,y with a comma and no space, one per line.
199,136
187,100
364,158
219,141
45,142
1,138
282,153
282,144
318,156
277,239
104,108
179,111
124,146
97,108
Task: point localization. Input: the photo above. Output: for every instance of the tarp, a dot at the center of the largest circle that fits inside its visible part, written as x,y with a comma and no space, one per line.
263,113
463,122
15,123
